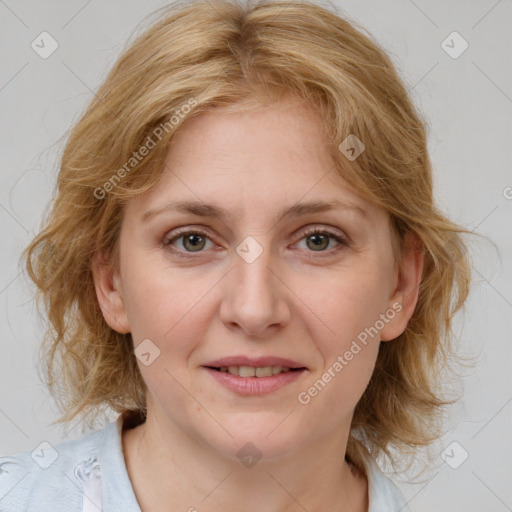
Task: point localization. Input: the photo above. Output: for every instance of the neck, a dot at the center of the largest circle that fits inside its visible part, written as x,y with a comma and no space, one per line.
170,470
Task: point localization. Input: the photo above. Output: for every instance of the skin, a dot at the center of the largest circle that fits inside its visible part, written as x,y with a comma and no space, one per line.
294,300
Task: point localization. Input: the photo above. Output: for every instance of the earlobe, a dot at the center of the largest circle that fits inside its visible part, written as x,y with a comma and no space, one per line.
109,293
406,291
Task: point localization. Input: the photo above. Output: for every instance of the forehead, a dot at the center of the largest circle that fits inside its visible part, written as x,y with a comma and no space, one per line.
289,133
254,158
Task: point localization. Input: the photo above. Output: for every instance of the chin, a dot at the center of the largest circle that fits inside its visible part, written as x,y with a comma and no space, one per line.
266,438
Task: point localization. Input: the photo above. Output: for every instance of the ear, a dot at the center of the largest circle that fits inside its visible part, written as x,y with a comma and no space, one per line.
108,290
406,287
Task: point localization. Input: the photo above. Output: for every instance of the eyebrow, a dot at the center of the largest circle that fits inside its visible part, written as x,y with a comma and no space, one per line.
201,209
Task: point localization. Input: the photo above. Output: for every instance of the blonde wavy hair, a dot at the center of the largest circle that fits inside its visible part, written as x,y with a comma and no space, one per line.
226,54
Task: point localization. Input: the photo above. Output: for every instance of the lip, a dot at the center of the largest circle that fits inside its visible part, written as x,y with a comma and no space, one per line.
255,362
246,386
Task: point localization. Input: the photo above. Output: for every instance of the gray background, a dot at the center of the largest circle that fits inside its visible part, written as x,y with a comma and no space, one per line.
467,101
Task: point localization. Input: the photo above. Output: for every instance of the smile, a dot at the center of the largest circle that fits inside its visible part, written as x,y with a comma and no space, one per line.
247,380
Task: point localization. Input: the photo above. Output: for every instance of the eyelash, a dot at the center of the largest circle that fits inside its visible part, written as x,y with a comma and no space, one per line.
167,242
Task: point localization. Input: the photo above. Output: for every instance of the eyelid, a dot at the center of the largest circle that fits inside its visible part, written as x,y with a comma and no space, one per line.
323,229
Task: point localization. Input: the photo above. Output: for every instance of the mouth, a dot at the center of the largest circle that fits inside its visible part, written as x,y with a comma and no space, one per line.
251,371
253,381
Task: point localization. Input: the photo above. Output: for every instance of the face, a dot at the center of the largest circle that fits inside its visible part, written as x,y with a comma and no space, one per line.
253,283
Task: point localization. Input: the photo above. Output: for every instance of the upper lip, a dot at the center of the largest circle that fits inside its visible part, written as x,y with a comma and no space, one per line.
255,362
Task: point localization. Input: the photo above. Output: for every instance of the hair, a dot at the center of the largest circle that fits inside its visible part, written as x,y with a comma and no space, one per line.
220,54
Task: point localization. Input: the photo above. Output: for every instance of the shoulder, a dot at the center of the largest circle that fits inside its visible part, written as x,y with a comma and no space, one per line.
383,494
52,477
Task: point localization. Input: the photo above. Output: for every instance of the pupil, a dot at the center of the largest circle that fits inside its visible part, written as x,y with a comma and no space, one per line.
194,244
317,240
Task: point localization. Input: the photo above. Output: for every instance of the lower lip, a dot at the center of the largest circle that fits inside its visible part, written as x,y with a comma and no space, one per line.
254,385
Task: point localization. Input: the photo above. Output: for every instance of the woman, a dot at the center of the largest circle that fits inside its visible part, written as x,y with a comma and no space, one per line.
244,260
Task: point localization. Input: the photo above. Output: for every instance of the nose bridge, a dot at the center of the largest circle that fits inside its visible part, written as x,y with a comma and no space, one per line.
253,300
252,270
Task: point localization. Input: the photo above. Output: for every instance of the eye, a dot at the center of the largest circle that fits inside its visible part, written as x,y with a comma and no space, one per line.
317,240
192,241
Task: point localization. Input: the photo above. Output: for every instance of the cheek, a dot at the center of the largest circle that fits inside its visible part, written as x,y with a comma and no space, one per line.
349,302
160,299
173,309
168,307
348,313
341,384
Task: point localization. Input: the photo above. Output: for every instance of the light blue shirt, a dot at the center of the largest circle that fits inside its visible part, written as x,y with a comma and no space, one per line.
89,474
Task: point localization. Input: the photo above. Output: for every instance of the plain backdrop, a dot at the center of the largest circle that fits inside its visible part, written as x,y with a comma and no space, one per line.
467,99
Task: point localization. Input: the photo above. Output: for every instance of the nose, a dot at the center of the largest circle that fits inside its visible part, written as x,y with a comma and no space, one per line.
255,296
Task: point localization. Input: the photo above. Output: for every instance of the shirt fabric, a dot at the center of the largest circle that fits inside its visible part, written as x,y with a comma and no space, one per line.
89,474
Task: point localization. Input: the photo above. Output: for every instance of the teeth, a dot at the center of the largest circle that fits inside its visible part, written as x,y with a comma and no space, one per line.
249,371
266,371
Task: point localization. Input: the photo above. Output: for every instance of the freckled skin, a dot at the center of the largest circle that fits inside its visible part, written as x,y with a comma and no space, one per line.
292,301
